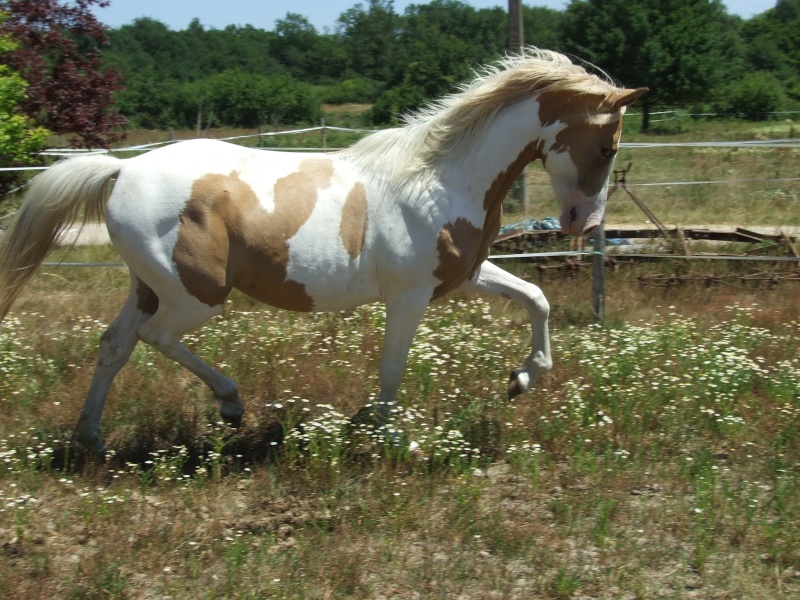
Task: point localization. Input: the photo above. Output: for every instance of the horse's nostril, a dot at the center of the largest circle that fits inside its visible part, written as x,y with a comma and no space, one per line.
573,214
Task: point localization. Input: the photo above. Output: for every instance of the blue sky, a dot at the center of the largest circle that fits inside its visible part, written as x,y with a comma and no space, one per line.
177,14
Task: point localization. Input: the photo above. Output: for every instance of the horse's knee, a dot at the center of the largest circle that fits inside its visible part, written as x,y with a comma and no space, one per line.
538,306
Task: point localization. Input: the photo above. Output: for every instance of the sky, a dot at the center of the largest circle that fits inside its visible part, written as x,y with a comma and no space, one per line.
262,14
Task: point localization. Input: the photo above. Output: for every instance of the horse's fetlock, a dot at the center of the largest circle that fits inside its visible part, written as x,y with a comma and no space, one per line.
538,363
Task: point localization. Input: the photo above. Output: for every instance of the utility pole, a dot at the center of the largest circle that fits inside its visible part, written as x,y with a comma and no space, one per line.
516,38
516,45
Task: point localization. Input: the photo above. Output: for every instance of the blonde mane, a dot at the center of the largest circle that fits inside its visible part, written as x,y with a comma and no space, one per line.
448,127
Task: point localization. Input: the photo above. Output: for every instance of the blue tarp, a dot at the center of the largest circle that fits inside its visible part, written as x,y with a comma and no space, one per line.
550,224
546,224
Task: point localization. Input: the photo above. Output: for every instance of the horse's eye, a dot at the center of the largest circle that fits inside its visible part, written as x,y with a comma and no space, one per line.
608,152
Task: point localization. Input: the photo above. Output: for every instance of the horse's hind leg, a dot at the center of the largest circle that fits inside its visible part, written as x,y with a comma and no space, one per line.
490,279
116,346
164,331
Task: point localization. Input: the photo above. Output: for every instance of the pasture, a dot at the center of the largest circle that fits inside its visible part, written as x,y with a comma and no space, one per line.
659,459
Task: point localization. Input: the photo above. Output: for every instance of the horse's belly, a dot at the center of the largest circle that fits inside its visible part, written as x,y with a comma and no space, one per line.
304,292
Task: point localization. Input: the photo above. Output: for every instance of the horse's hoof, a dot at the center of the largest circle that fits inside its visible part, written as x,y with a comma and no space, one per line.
234,421
368,420
518,382
366,415
92,443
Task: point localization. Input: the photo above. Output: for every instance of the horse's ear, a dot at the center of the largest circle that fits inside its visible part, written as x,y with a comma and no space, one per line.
626,97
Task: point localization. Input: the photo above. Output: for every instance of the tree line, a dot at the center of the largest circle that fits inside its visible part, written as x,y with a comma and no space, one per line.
689,52
93,83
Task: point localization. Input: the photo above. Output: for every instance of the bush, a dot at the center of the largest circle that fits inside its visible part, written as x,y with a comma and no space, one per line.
358,90
755,97
235,98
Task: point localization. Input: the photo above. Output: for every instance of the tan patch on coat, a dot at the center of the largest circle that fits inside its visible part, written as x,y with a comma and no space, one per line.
458,247
462,247
583,138
353,227
227,239
497,192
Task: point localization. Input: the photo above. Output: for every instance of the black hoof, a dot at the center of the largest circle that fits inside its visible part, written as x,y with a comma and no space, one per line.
93,444
366,416
234,421
515,387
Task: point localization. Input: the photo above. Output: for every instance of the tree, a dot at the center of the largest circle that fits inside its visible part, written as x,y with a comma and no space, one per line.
20,138
236,98
296,36
675,47
369,36
543,27
437,45
59,55
773,44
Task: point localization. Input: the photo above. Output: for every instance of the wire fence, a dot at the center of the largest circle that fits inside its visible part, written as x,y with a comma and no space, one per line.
323,129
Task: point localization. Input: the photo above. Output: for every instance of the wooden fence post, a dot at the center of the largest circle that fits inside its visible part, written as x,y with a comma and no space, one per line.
599,274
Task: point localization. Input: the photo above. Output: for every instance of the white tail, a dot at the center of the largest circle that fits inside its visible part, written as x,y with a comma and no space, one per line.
55,199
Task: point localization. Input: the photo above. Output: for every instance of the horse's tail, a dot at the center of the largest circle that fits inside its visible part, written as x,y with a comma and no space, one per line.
56,198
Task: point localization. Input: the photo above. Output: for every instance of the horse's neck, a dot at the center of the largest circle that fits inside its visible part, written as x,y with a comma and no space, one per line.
486,173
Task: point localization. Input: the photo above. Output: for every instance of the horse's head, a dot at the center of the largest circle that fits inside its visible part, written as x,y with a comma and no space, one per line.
580,139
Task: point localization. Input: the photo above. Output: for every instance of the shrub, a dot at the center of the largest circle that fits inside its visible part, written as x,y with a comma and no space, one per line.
358,90
755,97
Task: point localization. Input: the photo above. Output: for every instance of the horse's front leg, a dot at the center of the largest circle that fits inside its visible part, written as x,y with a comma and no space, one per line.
490,279
403,314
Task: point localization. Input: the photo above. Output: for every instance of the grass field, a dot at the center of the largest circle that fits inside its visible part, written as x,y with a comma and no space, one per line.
659,459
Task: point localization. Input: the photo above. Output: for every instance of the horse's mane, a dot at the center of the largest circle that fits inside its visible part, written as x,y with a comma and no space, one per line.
448,127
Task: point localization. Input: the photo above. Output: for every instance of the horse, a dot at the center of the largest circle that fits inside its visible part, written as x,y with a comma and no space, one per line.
403,216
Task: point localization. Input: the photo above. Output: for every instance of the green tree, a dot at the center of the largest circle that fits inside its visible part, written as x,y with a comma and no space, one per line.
773,45
295,37
437,46
369,35
756,96
543,27
236,98
305,54
677,48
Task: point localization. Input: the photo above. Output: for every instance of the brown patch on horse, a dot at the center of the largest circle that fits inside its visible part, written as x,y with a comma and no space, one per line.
494,196
586,157
353,227
463,247
227,239
458,248
146,299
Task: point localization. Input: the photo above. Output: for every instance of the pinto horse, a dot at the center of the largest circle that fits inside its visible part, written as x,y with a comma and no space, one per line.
403,216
